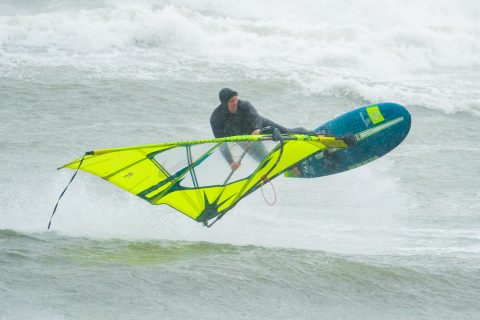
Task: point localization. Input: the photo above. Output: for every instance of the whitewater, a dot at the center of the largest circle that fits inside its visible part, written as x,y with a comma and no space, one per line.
398,238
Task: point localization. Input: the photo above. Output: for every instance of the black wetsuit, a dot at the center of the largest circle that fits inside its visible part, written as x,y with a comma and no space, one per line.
244,121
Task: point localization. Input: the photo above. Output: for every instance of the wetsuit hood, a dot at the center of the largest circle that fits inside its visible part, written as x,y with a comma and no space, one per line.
225,94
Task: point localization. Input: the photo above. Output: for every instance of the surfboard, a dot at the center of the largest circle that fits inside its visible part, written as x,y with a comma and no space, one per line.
377,128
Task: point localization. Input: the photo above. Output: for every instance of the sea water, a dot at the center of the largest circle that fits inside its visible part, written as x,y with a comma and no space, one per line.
398,238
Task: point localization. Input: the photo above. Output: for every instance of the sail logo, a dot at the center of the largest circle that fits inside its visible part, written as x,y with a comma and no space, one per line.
375,115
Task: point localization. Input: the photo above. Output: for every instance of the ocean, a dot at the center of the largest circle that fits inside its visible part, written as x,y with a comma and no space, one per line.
398,238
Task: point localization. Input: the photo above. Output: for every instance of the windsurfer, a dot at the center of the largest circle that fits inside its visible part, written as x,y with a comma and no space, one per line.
238,117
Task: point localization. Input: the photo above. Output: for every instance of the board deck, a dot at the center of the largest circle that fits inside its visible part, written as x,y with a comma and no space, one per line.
378,128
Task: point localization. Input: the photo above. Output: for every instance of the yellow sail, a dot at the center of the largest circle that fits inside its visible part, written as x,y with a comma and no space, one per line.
193,176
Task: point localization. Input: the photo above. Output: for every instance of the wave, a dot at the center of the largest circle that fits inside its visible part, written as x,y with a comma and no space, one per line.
352,268
424,54
390,286
391,40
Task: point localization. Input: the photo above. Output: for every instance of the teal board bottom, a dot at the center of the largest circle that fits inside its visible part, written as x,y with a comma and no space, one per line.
378,129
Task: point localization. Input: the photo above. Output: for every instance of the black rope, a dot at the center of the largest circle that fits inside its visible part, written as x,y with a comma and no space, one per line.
61,195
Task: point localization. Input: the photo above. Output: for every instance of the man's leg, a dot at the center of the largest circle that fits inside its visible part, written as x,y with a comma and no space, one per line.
258,151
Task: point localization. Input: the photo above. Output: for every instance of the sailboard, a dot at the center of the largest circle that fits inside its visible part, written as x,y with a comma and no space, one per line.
193,177
377,128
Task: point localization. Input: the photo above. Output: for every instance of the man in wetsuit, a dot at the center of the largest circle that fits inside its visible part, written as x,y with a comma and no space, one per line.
235,117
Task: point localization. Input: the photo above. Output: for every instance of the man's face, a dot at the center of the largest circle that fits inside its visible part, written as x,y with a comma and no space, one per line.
232,104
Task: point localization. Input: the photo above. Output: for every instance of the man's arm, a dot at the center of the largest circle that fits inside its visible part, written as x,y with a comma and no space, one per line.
259,122
216,124
270,123
217,128
255,119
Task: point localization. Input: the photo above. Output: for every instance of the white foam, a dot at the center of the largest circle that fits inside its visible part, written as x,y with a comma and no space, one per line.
416,53
357,211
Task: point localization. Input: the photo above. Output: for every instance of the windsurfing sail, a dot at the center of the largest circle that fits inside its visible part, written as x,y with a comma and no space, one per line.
193,176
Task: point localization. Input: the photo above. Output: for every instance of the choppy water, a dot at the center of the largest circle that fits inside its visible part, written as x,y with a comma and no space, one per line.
396,239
